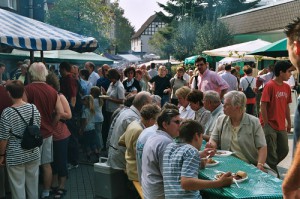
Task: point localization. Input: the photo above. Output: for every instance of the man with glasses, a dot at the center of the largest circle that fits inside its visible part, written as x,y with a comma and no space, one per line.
207,79
152,159
291,181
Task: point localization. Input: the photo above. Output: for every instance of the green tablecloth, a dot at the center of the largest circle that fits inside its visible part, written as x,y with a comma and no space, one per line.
258,185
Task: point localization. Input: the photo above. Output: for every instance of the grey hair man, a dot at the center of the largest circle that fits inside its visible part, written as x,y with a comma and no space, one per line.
116,153
212,102
46,99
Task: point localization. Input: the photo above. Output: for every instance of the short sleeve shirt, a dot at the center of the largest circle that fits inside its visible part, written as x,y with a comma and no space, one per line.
116,91
180,160
86,114
11,121
277,98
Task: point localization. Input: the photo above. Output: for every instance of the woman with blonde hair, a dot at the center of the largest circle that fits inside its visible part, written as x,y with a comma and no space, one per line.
88,127
98,103
185,109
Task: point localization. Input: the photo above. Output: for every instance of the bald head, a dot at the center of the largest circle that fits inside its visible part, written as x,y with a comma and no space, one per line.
141,99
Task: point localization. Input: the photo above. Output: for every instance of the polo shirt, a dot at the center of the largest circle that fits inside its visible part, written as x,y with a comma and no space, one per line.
180,160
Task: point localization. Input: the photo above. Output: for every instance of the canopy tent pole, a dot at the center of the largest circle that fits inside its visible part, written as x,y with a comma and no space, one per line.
42,56
31,56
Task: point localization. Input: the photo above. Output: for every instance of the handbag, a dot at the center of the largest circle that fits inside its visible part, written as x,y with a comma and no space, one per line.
32,135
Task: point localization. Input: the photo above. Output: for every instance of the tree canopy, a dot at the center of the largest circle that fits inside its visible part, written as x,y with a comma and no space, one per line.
92,18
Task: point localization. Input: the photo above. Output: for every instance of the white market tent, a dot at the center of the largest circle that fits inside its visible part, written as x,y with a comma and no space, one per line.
238,50
231,60
130,58
24,33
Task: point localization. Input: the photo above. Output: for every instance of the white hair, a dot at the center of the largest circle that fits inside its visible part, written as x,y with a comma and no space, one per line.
38,72
237,98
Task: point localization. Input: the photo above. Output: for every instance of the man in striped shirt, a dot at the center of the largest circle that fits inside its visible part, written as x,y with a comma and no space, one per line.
181,165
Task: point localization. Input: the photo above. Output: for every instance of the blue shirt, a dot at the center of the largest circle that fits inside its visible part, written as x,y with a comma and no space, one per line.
146,133
180,160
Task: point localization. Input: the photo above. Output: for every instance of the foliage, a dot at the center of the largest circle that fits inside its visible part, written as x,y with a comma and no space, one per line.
213,34
160,42
202,10
93,18
184,38
123,31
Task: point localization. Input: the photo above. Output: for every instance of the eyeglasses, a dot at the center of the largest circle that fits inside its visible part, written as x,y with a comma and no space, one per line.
176,121
202,64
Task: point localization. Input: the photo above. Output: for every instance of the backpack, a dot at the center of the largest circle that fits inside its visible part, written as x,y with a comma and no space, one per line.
32,135
249,91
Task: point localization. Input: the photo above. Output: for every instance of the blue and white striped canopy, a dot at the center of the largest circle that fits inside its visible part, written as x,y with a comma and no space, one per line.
29,34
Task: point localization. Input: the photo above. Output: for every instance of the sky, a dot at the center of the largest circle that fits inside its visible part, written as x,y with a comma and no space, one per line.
138,11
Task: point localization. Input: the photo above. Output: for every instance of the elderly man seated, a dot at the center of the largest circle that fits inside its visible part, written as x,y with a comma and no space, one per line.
239,132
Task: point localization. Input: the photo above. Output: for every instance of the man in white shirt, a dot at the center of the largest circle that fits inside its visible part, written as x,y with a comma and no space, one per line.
90,66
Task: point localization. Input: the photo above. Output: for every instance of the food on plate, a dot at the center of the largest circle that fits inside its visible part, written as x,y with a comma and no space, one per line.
211,161
238,175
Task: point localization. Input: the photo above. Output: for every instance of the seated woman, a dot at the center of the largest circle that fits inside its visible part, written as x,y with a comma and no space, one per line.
195,98
185,110
239,132
131,85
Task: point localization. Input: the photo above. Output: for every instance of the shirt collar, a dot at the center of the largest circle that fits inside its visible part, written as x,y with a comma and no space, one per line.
218,109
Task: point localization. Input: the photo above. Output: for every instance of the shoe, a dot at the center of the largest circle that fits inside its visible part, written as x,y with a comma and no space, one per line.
71,166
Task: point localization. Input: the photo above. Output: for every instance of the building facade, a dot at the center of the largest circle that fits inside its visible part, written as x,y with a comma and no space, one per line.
139,41
265,22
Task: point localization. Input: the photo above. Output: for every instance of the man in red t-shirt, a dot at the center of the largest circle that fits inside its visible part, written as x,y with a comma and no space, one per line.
46,99
275,111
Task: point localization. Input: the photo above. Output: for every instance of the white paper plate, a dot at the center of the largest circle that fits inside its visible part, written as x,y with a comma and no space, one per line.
104,96
238,181
223,153
211,165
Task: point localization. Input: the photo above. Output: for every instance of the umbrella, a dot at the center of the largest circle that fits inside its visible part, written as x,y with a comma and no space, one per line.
238,50
276,49
29,34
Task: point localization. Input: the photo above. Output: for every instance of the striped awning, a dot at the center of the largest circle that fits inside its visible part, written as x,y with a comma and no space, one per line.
29,34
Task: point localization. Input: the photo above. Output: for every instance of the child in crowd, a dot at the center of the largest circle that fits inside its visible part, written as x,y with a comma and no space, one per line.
88,127
98,103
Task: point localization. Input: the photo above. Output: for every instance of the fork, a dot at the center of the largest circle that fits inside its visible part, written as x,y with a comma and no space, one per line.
234,180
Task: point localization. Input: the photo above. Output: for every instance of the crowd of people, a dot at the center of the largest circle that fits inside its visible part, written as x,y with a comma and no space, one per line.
151,124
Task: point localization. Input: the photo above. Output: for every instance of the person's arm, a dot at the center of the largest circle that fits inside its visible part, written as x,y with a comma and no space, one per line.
66,114
288,118
262,156
291,182
3,144
190,184
73,101
263,109
58,111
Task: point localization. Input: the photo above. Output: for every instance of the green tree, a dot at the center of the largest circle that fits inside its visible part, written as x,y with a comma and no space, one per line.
160,42
123,31
202,10
85,17
213,34
184,38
